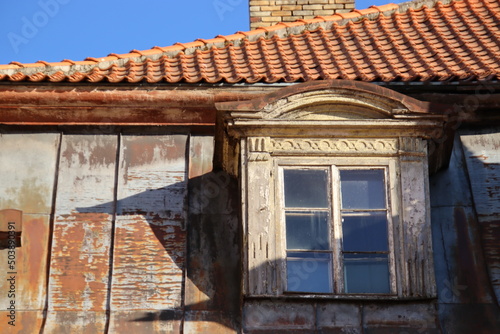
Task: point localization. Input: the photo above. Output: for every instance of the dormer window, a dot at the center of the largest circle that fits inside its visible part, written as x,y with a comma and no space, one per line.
334,190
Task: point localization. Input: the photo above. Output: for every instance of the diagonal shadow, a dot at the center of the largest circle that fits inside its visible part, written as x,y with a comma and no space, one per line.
206,225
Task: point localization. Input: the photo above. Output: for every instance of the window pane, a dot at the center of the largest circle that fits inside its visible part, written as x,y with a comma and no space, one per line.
365,233
362,189
366,273
306,188
309,272
307,231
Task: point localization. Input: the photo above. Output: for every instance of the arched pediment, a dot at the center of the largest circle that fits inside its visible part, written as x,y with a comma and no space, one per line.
328,101
327,105
329,110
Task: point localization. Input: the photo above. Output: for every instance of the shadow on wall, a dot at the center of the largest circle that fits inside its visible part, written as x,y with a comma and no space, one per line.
213,241
463,243
208,230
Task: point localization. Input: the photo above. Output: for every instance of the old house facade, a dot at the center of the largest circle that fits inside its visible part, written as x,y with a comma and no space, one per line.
338,173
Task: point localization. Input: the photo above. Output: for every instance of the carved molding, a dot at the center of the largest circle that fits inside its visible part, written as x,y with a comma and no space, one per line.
333,145
255,156
258,144
258,148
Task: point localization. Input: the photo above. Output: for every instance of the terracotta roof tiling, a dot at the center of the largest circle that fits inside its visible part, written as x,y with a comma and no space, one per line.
422,40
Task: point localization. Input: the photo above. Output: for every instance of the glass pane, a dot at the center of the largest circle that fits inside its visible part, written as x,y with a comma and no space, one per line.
309,272
365,233
306,188
307,231
366,273
362,189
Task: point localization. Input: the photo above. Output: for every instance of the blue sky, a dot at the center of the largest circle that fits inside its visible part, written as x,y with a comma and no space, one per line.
52,30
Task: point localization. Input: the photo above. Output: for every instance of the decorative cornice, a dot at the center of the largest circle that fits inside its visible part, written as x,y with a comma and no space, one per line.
333,145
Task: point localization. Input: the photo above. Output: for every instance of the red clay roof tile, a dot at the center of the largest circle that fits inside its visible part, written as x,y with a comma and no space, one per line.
414,41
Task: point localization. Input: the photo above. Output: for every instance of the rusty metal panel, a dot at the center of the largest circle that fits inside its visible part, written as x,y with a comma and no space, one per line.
339,316
411,317
482,155
324,316
27,171
32,258
86,176
148,264
76,321
279,315
149,253
145,322
208,322
26,321
80,262
152,177
201,154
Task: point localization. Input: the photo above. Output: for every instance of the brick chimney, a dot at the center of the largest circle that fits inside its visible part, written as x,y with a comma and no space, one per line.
264,13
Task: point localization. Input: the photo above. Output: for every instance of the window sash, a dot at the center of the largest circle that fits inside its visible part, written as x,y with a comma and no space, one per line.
338,265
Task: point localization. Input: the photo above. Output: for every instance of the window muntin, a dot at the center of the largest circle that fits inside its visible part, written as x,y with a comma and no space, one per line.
337,230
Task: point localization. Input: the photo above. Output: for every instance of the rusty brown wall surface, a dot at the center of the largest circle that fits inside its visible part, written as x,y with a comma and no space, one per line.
104,230
27,171
149,252
137,233
81,244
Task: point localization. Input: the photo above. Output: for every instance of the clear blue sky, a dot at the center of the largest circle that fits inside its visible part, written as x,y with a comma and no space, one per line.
52,30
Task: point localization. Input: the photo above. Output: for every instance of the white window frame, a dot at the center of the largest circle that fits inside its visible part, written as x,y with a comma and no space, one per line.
389,165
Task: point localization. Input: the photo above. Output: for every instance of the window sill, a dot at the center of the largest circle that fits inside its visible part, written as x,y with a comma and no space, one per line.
343,297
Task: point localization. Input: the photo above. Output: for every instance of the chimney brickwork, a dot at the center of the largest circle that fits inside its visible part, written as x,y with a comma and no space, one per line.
264,13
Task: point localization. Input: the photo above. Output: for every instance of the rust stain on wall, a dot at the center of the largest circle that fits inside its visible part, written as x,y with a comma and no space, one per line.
148,265
33,261
80,266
